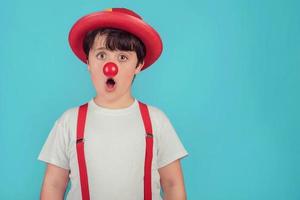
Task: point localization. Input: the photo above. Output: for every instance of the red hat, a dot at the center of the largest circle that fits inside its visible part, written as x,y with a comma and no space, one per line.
119,18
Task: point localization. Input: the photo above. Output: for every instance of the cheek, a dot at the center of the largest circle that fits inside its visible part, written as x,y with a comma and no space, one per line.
127,75
96,68
97,75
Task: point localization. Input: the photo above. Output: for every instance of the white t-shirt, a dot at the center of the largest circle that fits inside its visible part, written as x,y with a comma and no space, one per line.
114,150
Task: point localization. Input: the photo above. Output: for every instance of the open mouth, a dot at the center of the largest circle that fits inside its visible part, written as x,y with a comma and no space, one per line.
110,83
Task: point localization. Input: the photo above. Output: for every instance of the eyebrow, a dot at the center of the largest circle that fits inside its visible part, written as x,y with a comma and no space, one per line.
104,48
100,48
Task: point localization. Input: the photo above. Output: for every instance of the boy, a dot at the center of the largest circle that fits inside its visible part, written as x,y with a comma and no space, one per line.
113,147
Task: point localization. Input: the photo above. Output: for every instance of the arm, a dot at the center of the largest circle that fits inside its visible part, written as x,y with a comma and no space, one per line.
55,183
171,179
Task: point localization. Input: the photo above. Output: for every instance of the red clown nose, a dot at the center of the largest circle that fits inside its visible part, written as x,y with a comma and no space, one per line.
110,69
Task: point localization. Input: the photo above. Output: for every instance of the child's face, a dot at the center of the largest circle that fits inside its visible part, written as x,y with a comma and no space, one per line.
126,62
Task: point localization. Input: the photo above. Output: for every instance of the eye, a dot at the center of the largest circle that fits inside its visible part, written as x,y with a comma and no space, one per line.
101,55
122,58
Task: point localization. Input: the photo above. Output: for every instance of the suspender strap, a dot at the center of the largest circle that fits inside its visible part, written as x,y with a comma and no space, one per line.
81,158
80,152
149,151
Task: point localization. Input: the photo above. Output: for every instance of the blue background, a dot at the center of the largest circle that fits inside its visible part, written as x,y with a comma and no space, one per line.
228,79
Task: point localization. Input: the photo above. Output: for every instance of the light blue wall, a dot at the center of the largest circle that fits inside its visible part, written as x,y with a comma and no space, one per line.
228,79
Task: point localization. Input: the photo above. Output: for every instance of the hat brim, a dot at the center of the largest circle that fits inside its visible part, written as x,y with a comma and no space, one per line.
108,19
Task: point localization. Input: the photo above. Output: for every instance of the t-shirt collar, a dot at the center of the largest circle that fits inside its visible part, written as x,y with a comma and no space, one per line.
119,111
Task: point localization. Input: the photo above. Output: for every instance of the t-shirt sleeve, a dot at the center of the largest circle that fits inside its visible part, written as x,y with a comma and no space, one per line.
55,148
170,147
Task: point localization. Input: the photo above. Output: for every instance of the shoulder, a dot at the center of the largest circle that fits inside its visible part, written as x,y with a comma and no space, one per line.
158,116
156,112
68,116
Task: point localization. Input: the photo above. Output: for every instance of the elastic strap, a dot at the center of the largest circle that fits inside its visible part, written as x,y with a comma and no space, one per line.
149,151
81,158
80,152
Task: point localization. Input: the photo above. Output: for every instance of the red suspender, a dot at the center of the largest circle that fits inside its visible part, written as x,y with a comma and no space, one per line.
80,152
149,151
81,159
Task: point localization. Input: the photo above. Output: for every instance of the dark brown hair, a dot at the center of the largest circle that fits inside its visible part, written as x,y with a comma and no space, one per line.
116,39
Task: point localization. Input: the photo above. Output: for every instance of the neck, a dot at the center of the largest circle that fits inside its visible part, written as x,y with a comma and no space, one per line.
119,103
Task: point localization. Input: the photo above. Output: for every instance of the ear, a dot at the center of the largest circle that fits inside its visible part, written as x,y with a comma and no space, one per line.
88,65
139,67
